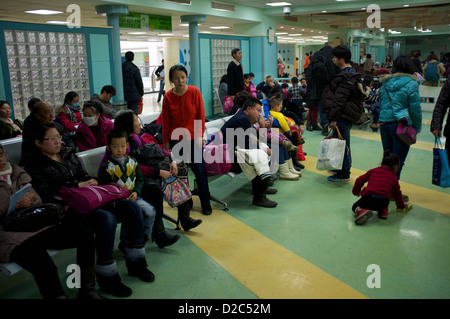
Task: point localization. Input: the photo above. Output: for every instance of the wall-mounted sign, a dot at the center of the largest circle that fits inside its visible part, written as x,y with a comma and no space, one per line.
144,21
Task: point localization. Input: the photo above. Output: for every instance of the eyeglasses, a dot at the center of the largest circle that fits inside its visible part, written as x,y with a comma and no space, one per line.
54,138
3,154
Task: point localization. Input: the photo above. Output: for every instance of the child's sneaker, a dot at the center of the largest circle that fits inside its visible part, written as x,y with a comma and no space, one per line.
407,208
383,214
362,215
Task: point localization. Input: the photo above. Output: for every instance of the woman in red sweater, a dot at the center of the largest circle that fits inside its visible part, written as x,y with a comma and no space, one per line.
382,184
183,119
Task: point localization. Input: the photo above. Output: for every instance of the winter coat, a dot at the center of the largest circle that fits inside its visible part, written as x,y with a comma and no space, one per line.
133,87
344,96
441,107
404,102
235,78
85,138
10,240
48,175
64,119
7,130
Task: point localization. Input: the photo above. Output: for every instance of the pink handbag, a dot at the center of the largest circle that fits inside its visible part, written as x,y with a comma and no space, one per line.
176,191
227,103
88,198
216,159
406,133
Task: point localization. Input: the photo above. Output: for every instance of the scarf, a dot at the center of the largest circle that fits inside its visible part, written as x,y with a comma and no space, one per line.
6,174
69,111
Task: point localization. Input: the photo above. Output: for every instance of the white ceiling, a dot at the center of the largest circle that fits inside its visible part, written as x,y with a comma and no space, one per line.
434,15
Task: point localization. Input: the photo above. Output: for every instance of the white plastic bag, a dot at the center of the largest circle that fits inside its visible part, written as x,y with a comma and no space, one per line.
331,153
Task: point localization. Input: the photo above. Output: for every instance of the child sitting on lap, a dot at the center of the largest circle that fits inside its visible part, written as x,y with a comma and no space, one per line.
382,183
125,171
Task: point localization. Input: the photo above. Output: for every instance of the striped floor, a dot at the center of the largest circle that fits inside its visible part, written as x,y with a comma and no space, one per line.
308,247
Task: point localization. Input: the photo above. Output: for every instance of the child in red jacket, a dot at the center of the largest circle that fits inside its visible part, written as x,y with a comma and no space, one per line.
382,184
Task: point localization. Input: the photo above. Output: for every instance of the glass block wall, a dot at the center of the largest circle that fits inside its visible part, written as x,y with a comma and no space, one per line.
46,65
221,57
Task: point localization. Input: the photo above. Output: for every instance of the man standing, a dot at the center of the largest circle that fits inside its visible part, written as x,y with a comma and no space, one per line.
162,82
235,74
319,72
132,82
343,102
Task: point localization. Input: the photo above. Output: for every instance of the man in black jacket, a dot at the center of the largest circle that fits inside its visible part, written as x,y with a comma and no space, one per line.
160,73
343,100
132,82
235,74
318,73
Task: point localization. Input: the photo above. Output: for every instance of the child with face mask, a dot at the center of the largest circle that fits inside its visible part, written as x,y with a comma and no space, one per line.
93,128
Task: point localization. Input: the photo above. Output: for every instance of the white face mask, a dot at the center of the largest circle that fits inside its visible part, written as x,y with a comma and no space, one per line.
90,120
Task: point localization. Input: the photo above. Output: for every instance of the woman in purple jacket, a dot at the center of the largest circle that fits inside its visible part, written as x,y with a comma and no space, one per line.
93,128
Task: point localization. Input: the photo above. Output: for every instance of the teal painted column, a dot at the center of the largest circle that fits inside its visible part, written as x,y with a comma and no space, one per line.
112,19
194,46
368,50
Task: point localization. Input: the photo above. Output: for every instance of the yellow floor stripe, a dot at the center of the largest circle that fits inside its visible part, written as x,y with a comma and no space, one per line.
266,268
418,195
375,136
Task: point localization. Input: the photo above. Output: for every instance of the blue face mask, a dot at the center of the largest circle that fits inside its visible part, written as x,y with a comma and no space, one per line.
75,105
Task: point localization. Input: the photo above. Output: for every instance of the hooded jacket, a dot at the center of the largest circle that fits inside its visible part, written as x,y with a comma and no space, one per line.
344,96
399,99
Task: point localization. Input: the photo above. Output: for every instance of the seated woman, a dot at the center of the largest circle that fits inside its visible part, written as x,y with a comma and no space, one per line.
57,166
69,114
151,192
8,128
93,128
29,249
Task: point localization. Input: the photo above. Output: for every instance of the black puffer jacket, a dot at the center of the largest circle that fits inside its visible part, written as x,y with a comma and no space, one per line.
133,88
343,97
48,176
442,104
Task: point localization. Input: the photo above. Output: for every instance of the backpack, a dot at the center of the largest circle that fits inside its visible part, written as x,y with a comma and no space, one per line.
431,72
320,70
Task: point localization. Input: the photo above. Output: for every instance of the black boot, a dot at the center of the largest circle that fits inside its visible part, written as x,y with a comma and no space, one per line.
295,162
206,205
109,280
137,265
185,220
309,126
87,289
160,236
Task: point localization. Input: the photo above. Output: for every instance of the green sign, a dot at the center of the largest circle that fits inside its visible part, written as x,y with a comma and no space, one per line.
145,22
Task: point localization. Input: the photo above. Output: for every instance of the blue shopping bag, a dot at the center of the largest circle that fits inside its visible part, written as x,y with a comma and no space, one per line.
441,167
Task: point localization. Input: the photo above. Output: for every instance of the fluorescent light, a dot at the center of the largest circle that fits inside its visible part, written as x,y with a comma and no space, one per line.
137,33
166,34
205,32
281,33
295,35
57,22
278,4
184,24
219,27
43,12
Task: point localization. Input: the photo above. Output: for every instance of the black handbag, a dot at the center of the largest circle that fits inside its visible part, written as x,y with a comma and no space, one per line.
34,218
150,154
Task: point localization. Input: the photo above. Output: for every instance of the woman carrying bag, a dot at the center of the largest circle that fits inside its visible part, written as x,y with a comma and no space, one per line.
29,248
399,102
55,167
